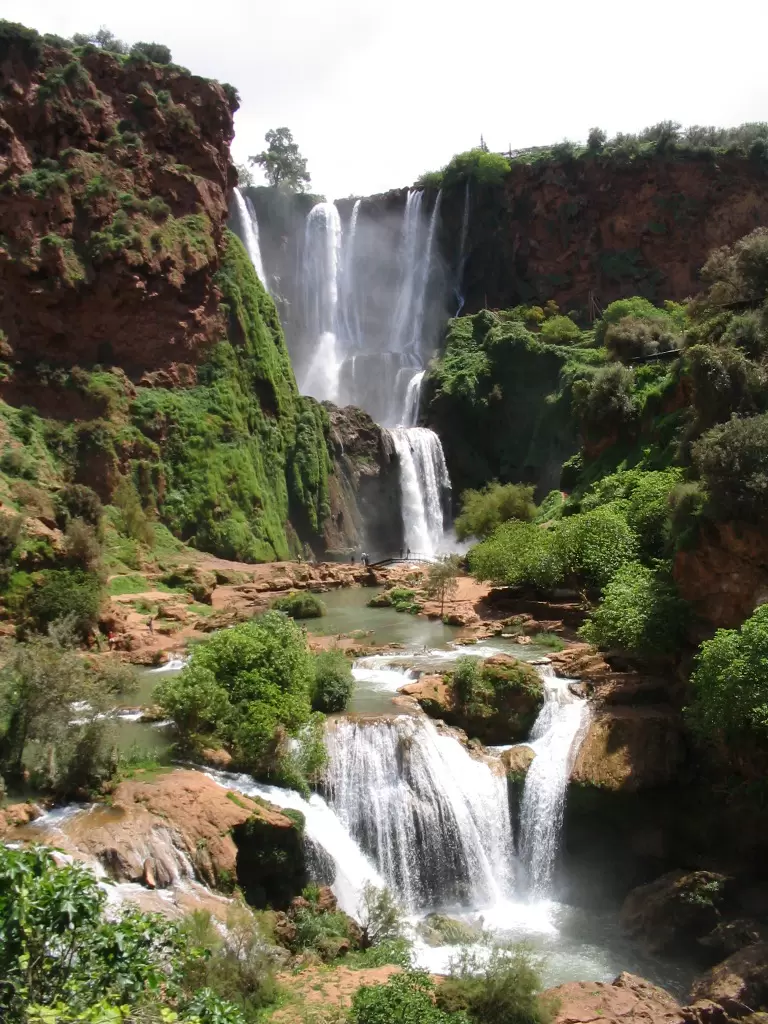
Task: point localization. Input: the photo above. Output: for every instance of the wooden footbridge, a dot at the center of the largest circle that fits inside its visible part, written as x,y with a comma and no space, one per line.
401,560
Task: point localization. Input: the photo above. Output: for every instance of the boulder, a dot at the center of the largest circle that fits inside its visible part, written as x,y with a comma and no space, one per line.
730,936
739,984
517,760
441,930
630,749
627,1000
674,910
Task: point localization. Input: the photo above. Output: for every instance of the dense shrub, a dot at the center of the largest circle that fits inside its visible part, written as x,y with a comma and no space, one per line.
645,501
633,337
333,683
560,330
518,553
81,545
640,612
636,308
604,404
133,519
730,682
484,510
156,52
475,165
76,501
724,382
501,988
246,687
300,605
732,460
61,593
407,997
593,546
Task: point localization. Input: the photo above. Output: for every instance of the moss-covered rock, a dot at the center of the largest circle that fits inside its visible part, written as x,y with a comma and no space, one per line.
271,862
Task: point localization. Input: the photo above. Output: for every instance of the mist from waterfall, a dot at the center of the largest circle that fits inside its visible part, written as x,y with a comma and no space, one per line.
247,229
433,819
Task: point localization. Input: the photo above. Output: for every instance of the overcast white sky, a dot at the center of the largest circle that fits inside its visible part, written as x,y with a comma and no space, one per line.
375,94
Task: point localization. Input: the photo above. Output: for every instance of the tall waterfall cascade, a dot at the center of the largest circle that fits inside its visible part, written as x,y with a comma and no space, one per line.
434,819
556,736
357,355
248,231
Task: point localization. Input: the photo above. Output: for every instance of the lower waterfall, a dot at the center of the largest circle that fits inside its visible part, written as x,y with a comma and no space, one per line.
556,737
424,487
432,817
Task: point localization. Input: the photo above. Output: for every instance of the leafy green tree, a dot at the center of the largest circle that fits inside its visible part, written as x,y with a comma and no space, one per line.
300,605
442,579
156,52
596,140
283,164
248,687
42,682
730,683
380,917
732,460
518,553
640,612
333,684
593,546
560,330
62,593
605,404
104,39
484,510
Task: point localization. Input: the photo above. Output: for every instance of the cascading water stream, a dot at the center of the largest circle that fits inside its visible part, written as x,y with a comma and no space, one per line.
433,818
462,252
322,259
556,737
249,232
424,485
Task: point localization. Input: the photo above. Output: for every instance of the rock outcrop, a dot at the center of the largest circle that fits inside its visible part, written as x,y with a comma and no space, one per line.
675,910
630,748
503,711
739,984
627,1000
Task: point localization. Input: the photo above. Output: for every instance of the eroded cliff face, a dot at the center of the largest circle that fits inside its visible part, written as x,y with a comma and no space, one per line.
603,227
114,178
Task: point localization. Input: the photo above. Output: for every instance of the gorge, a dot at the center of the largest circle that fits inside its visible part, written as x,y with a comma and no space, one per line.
214,397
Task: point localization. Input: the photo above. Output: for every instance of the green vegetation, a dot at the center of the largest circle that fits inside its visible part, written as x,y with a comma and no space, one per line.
52,702
63,962
483,690
475,165
301,604
730,685
333,683
283,164
402,599
484,510
249,688
442,580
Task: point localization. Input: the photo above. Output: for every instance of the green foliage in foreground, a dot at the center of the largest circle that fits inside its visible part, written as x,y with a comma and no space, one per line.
733,462
300,605
483,510
250,688
62,961
730,683
502,987
640,612
333,683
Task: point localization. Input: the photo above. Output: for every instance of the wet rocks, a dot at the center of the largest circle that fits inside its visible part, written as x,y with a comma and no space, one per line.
739,985
627,1000
676,909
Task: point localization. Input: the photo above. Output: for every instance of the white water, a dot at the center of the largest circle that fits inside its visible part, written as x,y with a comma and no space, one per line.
556,737
324,828
434,819
412,400
424,486
249,232
321,269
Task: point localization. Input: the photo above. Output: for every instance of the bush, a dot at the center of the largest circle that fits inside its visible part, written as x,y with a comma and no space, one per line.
407,997
725,382
300,605
594,545
81,545
645,499
133,519
503,988
730,683
560,330
76,501
636,307
633,337
640,612
62,593
484,510
604,404
518,553
247,687
379,915
475,165
156,52
732,460
333,683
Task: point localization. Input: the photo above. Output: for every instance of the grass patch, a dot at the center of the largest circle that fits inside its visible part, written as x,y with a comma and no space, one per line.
550,640
133,584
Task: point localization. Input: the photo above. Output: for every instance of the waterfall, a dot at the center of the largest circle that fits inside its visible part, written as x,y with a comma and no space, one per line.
249,232
410,259
433,818
321,262
325,829
424,484
425,267
556,736
412,399
350,311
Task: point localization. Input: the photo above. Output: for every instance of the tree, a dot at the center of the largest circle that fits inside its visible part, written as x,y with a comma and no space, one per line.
244,175
484,510
379,915
104,39
732,459
596,140
42,682
281,161
442,579
158,53
334,682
